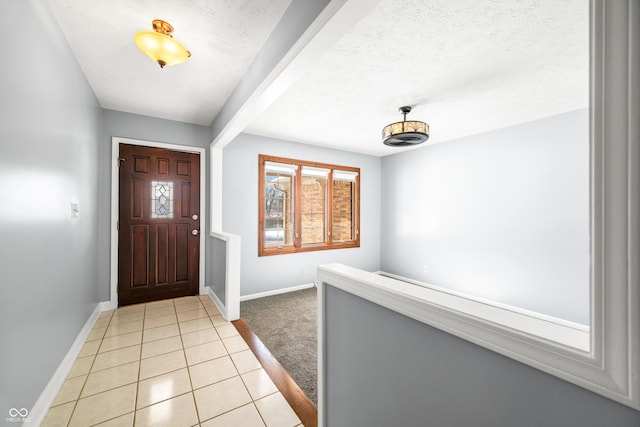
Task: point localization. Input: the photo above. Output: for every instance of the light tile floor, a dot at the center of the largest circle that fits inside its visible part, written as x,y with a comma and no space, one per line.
168,363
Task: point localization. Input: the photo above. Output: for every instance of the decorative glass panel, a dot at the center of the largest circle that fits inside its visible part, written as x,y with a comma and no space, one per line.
278,209
161,199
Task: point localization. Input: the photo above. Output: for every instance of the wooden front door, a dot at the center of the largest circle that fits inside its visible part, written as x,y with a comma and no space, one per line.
158,224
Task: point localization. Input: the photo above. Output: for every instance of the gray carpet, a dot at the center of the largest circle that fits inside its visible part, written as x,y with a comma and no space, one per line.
286,324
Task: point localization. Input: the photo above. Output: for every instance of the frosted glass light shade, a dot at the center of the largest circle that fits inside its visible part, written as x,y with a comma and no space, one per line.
160,46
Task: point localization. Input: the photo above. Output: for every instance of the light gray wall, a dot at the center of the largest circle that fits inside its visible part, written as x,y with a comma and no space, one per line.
385,369
218,268
240,213
502,215
49,136
135,126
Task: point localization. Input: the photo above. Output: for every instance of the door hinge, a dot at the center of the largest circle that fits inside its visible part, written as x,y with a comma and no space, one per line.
118,288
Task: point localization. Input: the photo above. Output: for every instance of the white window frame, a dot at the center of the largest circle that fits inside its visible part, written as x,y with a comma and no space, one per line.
610,364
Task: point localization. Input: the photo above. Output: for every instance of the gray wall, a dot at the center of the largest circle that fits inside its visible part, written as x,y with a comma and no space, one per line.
384,369
240,213
49,133
135,126
502,215
217,273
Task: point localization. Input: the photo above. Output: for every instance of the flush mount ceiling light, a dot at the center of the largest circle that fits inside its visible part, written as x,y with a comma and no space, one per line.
405,133
160,46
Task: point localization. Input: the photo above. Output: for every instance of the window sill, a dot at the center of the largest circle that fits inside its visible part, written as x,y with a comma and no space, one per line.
307,248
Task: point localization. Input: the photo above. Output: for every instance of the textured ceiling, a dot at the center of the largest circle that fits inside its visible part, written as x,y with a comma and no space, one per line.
467,66
223,36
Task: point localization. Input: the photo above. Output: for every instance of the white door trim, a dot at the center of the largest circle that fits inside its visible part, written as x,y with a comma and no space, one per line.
115,185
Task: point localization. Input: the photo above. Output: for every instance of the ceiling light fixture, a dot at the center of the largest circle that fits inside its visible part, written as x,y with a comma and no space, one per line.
160,46
405,133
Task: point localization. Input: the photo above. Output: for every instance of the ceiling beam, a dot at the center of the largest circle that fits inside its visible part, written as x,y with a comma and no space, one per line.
306,31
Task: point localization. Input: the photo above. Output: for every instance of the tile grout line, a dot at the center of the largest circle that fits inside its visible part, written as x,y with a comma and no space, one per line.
209,315
84,383
186,361
135,403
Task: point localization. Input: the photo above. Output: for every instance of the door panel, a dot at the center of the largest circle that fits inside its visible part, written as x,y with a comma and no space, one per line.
158,252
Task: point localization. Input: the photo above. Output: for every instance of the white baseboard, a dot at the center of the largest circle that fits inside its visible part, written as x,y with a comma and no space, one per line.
219,305
41,407
277,292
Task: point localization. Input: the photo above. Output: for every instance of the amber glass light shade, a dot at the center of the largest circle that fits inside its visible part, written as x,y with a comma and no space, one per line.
160,46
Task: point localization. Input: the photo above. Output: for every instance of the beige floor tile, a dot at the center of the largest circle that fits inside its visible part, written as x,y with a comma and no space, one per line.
89,348
218,320
195,325
106,314
125,420
186,300
58,416
117,357
157,321
245,416
96,334
159,304
121,341
69,391
111,378
221,397
104,406
161,364
161,332
227,331
177,412
125,318
166,345
102,322
212,371
207,303
124,328
276,412
259,384
245,361
203,352
235,344
199,337
135,308
198,313
213,312
159,311
163,387
188,305
81,366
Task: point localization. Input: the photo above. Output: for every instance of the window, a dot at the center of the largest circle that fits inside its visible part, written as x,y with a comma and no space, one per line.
307,206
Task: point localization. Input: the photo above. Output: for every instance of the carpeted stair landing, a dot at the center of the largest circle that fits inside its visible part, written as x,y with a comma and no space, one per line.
286,324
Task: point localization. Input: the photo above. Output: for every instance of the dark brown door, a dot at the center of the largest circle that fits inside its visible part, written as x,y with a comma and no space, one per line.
158,224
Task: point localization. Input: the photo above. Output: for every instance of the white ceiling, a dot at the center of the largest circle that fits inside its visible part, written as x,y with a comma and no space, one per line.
467,66
223,37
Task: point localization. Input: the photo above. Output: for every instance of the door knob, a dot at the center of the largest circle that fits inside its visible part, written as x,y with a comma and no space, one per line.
194,217
194,232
